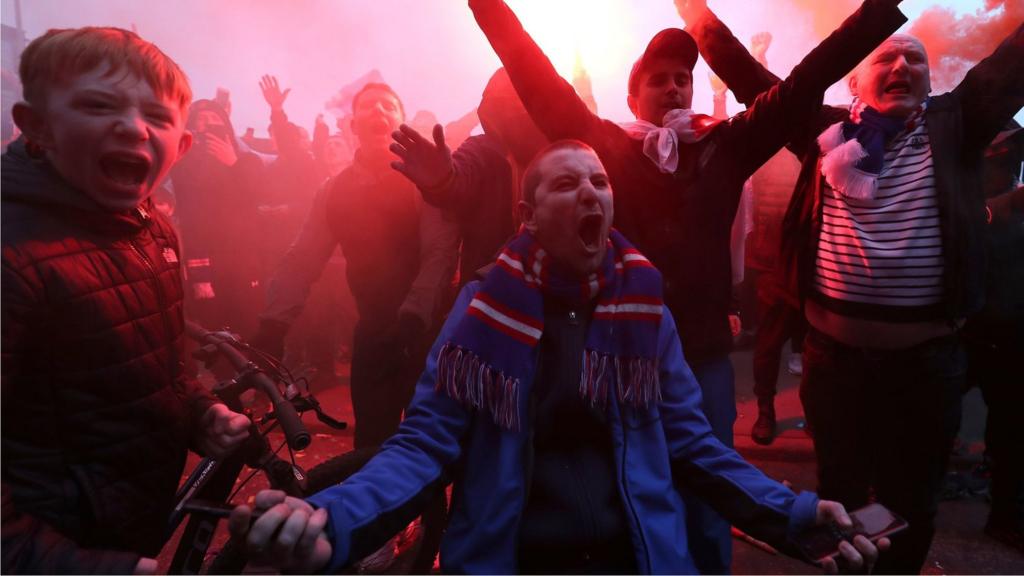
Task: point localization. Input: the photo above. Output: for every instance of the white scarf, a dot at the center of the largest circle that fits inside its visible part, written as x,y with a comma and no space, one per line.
661,143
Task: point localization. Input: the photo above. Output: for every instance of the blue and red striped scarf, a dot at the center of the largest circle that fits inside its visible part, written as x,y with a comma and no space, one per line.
493,348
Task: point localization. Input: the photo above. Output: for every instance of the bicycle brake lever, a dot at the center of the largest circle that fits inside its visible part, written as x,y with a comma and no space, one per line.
309,402
336,424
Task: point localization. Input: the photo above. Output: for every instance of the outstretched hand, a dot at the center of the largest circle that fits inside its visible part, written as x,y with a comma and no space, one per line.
691,10
427,164
857,557
272,92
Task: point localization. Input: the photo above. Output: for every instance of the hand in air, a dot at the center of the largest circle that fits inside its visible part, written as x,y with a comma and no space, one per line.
272,92
428,164
759,44
691,10
717,85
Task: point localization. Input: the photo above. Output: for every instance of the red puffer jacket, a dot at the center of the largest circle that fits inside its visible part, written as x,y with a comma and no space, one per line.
97,416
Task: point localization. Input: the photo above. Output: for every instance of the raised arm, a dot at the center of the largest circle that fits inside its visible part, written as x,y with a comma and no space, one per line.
725,54
556,108
992,92
787,110
286,134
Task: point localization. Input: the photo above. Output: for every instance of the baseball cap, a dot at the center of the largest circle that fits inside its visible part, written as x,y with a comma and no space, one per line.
669,43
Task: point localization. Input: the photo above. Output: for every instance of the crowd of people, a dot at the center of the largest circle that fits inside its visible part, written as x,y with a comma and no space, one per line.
541,313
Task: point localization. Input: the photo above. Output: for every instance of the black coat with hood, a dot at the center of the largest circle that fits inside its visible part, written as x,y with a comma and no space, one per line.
97,416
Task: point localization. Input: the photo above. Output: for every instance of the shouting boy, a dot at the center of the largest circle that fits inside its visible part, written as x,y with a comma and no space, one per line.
97,414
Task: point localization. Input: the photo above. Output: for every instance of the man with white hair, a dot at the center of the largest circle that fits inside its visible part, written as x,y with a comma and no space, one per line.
883,248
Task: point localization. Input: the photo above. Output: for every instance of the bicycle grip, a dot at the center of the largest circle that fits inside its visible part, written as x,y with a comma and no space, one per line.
294,430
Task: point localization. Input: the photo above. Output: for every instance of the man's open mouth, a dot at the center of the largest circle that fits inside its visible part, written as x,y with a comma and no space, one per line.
125,168
898,87
590,229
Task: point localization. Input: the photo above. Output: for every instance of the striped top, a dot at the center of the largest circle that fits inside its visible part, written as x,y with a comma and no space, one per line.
881,258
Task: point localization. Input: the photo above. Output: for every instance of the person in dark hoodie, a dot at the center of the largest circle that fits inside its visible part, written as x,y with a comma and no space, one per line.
478,185
218,189
97,415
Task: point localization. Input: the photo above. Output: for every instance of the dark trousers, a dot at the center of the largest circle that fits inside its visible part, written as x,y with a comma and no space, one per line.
779,322
383,379
709,535
884,423
995,359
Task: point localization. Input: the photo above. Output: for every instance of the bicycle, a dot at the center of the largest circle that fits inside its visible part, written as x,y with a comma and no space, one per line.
214,481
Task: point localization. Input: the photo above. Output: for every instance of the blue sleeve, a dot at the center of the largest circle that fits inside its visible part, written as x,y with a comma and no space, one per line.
740,492
382,498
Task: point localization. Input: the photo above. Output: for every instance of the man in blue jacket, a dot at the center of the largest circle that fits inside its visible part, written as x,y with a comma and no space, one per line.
559,386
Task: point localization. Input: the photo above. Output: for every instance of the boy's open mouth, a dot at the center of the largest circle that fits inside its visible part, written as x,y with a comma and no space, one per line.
589,229
125,168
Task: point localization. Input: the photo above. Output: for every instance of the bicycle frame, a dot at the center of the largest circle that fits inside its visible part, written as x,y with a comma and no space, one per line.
214,479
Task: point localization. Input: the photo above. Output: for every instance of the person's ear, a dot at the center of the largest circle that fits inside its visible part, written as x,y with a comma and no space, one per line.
32,123
185,143
631,102
851,83
528,216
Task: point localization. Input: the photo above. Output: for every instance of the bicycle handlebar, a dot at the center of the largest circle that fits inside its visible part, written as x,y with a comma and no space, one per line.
295,431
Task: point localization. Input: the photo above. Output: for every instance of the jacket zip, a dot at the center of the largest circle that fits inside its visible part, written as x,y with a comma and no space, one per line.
148,265
629,499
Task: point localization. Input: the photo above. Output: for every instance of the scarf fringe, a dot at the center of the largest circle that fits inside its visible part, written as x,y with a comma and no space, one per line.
838,164
471,381
636,380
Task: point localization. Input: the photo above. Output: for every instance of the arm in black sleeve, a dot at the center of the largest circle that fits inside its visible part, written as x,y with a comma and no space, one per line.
472,163
992,92
556,108
747,78
780,113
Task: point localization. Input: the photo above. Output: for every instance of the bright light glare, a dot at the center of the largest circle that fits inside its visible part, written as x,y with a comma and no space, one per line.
597,29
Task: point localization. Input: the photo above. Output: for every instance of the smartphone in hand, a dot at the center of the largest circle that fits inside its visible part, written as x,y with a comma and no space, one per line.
873,521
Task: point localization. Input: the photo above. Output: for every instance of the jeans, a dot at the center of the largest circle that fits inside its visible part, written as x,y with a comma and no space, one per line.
884,423
708,534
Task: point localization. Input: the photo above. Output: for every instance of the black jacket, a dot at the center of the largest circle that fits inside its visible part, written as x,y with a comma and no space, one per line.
97,417
961,123
682,221
481,198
